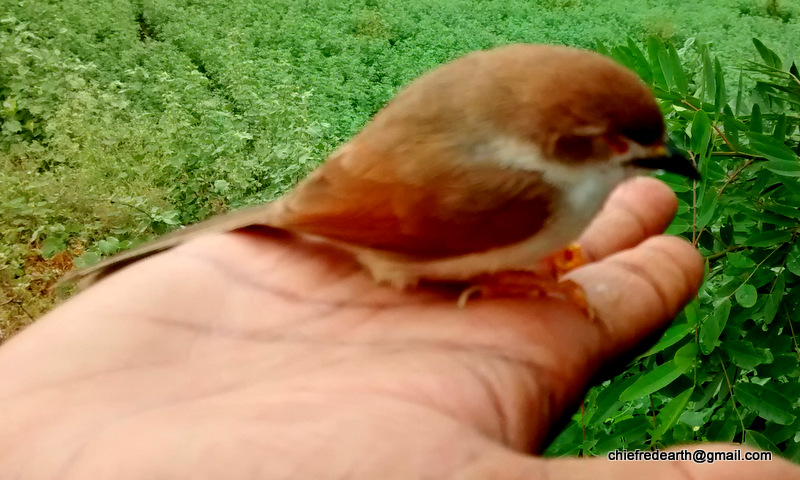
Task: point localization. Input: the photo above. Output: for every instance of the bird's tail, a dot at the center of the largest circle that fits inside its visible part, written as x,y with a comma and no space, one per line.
256,215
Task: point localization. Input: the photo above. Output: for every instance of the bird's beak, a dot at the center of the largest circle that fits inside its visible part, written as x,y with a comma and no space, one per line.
668,159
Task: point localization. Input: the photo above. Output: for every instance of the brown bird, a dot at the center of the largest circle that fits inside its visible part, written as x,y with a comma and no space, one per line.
487,164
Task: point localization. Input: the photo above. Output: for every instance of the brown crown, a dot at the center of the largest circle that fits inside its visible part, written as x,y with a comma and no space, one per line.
562,99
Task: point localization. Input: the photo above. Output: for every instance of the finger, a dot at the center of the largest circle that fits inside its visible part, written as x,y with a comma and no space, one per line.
636,291
506,464
636,210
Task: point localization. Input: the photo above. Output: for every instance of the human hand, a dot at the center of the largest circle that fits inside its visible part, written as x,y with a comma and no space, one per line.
243,356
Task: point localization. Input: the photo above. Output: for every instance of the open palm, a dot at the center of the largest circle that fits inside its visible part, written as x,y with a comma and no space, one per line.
245,356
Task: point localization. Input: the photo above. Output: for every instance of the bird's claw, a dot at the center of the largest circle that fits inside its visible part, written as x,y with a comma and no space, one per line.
566,260
520,283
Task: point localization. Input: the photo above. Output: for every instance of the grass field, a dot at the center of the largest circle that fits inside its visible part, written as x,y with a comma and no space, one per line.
121,120
124,119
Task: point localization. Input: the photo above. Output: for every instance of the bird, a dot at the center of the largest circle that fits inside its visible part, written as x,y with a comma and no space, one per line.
493,162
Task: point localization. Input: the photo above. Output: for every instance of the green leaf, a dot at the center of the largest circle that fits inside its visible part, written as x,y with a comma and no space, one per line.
608,400
769,218
641,65
726,231
567,443
765,402
632,430
677,70
746,295
694,419
677,183
719,92
785,365
768,239
730,127
654,380
779,133
710,390
739,92
783,167
691,312
755,119
686,355
785,210
623,56
723,430
774,299
654,46
745,355
701,133
770,148
709,80
171,217
679,225
51,246
221,186
793,260
673,335
771,59
12,126
87,259
758,440
747,396
670,414
707,209
740,260
713,325
108,246
601,49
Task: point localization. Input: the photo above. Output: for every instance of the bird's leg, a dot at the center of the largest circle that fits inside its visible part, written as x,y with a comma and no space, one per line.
521,283
566,260
544,281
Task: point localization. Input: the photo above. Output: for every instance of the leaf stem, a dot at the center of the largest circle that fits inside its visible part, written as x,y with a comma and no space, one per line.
152,219
733,176
722,253
730,390
716,128
695,235
791,329
735,153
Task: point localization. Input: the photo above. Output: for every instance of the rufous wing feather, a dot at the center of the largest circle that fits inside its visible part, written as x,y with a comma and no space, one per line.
371,199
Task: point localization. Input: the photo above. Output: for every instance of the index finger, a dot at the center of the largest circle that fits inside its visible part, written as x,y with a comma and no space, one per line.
636,210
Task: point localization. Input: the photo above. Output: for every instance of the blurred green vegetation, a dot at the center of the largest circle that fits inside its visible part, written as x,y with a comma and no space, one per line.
122,120
727,369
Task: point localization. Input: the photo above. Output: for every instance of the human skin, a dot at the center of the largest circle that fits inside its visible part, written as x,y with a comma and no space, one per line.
251,356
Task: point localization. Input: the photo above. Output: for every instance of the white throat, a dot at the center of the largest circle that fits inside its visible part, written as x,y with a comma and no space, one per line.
585,186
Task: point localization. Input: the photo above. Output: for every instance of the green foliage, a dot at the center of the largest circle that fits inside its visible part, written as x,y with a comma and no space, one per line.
727,369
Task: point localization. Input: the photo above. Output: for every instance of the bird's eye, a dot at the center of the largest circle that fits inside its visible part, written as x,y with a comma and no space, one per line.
617,144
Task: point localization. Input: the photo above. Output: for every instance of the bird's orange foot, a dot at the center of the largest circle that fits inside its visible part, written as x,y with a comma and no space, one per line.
520,283
566,260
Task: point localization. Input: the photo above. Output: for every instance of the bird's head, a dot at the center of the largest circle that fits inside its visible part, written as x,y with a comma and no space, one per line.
581,108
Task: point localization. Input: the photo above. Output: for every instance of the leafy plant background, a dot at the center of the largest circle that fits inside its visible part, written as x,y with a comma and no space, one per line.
727,369
122,120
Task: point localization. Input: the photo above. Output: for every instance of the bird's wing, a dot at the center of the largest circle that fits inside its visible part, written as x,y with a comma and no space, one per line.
408,209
